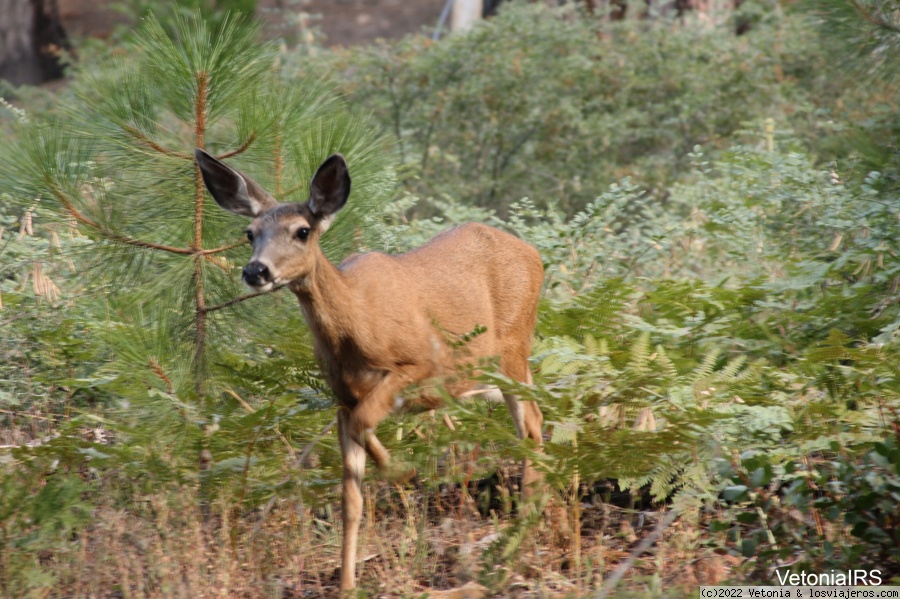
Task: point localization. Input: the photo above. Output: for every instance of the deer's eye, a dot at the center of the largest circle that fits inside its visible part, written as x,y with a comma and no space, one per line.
250,236
302,233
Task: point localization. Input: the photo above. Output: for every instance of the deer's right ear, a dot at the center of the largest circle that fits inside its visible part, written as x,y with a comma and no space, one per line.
231,189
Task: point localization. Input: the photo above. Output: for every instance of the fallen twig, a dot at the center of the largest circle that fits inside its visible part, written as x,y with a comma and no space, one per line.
610,583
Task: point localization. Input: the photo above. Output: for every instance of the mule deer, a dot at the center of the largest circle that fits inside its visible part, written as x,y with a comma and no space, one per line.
382,323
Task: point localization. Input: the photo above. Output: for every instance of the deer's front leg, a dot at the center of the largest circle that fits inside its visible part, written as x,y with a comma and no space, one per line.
354,458
356,431
370,410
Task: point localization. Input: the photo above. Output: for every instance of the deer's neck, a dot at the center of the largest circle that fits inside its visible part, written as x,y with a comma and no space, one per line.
327,301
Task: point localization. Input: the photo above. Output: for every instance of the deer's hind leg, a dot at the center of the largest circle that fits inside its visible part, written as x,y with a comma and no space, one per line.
528,419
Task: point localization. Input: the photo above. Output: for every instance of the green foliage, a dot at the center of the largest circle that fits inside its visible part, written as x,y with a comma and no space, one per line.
779,509
47,362
719,324
35,522
158,342
755,313
861,37
864,34
820,241
211,10
542,104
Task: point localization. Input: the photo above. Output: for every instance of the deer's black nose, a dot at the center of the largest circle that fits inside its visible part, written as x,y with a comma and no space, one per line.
256,274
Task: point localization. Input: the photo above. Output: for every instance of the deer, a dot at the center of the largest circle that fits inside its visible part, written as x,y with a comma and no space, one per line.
383,324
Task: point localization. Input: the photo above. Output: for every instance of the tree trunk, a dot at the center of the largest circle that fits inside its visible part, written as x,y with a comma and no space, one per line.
31,37
465,14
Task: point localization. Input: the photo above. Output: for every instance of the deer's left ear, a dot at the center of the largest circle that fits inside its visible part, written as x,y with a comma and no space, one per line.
329,188
231,189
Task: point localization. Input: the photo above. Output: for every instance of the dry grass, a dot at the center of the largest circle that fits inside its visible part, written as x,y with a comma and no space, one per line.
411,543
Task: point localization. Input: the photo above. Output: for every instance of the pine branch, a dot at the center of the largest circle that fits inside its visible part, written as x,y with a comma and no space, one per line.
69,206
279,163
139,136
241,298
880,17
865,33
157,369
224,248
293,190
200,108
243,147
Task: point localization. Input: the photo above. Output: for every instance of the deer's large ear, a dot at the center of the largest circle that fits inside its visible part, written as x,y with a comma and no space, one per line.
231,189
329,188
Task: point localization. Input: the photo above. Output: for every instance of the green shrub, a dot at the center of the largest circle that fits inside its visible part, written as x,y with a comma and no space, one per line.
732,303
537,103
839,512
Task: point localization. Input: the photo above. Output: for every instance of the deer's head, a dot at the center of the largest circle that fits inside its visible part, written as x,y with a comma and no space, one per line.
285,236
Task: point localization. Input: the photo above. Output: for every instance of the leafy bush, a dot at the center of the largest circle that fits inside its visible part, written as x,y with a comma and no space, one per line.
34,524
839,513
732,304
662,349
537,103
47,361
155,328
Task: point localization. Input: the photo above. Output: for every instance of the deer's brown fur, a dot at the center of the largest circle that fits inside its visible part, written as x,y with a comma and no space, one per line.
382,323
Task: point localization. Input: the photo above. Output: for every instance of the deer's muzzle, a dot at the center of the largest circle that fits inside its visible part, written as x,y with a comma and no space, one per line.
256,274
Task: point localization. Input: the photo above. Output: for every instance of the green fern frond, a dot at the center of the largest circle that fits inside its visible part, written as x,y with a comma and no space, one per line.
639,361
666,478
665,364
705,369
731,369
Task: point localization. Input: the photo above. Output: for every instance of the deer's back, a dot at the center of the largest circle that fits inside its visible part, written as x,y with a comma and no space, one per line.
480,271
470,276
